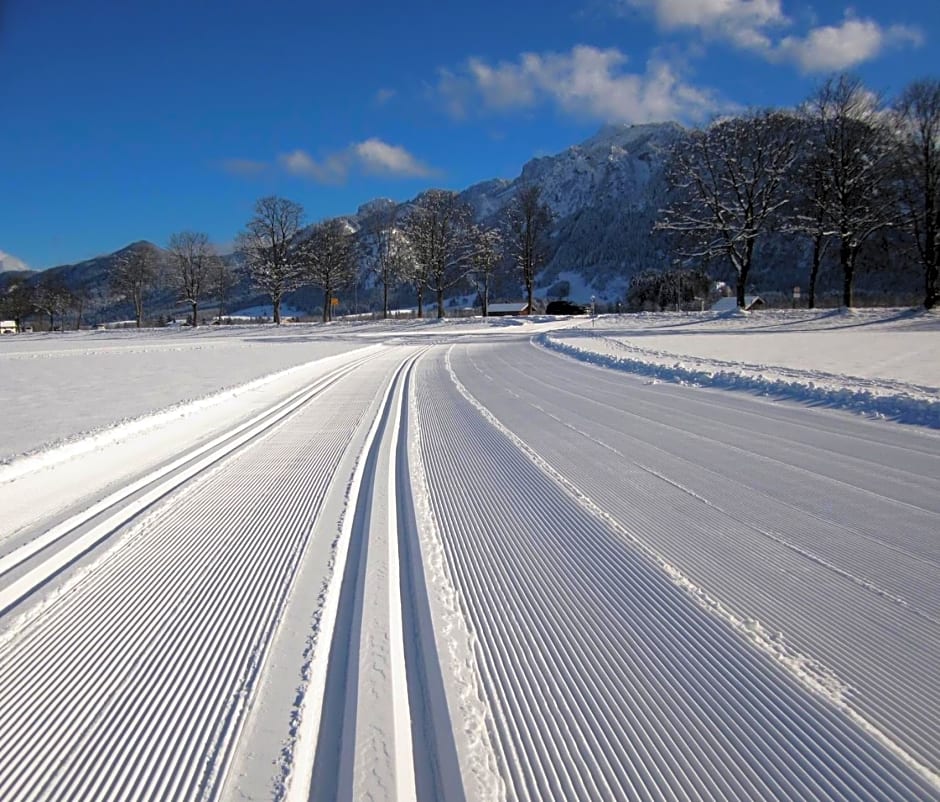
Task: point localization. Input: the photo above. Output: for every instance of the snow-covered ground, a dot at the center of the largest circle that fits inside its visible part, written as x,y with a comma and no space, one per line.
446,560
874,361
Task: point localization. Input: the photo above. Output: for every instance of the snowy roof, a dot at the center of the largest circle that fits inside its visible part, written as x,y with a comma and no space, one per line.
731,303
517,306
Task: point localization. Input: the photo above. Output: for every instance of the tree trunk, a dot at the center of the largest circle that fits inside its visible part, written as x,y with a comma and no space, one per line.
420,303
385,300
195,314
930,256
814,270
440,302
529,287
486,294
326,306
847,260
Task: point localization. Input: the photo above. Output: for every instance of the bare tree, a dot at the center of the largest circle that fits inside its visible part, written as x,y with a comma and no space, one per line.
329,260
223,280
269,247
528,223
82,295
728,181
858,188
53,298
486,254
17,302
663,288
385,250
133,275
192,260
918,124
806,214
437,228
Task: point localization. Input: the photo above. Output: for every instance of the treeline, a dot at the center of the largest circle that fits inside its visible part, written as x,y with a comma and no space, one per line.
841,170
429,247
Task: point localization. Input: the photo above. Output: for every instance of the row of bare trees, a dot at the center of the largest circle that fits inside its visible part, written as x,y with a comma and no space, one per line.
839,170
192,270
50,297
432,246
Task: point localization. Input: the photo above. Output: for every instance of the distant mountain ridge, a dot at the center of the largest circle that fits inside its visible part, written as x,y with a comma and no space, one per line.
605,194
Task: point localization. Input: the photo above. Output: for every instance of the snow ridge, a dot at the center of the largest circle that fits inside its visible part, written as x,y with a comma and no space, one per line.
899,406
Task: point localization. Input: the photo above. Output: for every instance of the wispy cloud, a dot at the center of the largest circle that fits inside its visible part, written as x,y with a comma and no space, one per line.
243,167
587,82
331,170
383,96
758,26
371,157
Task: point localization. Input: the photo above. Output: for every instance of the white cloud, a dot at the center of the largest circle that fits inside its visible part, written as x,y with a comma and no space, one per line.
830,48
743,22
383,96
331,170
586,82
752,25
371,157
378,157
10,262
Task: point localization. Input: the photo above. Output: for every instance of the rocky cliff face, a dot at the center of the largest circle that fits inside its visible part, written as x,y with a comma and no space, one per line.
605,194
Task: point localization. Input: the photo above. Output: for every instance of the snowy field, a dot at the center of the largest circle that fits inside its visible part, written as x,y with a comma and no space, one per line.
644,557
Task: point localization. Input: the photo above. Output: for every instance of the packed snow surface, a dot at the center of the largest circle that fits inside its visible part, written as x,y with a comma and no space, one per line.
638,557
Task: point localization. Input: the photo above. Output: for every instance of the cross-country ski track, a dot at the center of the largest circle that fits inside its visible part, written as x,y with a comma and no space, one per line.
459,568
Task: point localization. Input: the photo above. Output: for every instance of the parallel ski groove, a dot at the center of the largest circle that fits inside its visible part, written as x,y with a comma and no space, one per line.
528,579
129,684
836,613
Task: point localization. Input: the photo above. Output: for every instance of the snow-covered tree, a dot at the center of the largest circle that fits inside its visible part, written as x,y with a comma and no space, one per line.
192,263
16,302
486,252
806,214
857,196
528,222
329,260
384,250
660,289
728,181
437,228
134,274
917,120
269,247
53,298
224,278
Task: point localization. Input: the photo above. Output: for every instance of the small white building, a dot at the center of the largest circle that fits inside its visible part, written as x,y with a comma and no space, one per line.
505,310
7,327
730,304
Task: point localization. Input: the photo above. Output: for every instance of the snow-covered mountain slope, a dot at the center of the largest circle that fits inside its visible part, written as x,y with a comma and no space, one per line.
604,194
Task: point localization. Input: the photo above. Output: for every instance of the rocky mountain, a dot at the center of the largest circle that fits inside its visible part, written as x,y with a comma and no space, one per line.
604,195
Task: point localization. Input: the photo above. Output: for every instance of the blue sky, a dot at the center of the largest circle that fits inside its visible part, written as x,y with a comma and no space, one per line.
130,120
